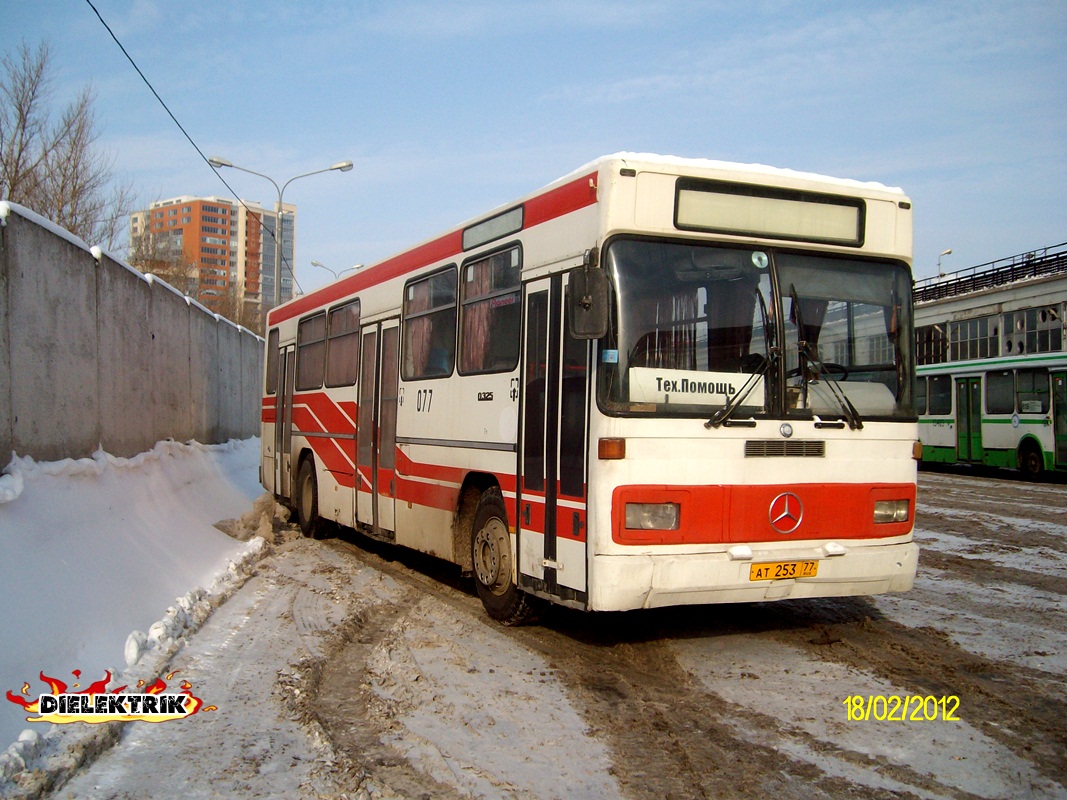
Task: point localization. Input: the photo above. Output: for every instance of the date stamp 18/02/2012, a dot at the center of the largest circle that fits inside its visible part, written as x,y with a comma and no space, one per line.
902,708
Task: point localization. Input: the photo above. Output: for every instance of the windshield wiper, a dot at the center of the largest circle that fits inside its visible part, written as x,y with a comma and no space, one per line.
722,416
852,416
808,356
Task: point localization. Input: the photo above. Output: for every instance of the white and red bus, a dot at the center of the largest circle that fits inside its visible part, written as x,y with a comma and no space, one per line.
655,381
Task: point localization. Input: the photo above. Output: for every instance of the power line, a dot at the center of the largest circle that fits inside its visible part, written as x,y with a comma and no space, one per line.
259,219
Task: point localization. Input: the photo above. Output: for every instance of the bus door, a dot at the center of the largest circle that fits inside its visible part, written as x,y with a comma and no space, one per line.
283,425
376,437
1059,411
969,419
551,521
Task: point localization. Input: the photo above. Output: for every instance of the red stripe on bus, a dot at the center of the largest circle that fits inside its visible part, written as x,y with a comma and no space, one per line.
331,418
269,412
406,466
771,513
429,495
386,482
558,202
565,518
567,198
364,479
436,250
351,410
315,412
329,453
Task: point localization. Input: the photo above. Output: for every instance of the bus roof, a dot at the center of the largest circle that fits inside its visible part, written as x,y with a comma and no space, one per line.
569,193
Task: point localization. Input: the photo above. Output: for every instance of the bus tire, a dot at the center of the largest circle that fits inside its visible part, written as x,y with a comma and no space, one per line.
306,499
493,563
1031,461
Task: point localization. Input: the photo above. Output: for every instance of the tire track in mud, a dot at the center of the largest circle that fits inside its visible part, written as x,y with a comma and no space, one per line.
984,572
670,737
1006,497
1022,708
992,530
352,715
987,528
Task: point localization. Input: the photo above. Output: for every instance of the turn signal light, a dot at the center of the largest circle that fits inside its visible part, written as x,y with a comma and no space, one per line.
611,449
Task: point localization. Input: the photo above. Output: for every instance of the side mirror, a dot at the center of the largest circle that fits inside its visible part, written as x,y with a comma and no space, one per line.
587,299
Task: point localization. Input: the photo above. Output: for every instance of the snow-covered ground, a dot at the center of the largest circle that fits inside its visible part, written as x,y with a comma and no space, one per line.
415,693
141,532
105,562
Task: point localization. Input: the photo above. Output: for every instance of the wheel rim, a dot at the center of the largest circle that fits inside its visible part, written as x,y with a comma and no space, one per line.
492,556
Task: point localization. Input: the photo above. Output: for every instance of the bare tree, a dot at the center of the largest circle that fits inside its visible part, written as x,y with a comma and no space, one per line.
154,253
53,166
239,308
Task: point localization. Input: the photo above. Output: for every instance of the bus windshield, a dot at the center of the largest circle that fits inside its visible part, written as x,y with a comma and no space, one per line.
699,330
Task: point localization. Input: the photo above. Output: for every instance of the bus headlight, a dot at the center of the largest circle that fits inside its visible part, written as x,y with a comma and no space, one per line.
890,511
652,516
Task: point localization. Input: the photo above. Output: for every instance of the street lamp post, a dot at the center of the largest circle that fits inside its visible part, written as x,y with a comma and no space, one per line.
336,274
340,166
944,253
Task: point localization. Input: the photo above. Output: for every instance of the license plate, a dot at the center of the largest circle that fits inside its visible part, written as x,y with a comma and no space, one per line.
783,569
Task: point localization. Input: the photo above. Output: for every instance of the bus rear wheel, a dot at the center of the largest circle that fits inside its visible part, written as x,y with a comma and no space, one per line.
1031,461
494,563
307,499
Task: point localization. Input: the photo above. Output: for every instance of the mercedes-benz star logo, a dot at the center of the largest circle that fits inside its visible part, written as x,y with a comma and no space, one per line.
785,513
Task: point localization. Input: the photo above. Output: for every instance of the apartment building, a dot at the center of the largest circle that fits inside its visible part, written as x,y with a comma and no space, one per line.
218,250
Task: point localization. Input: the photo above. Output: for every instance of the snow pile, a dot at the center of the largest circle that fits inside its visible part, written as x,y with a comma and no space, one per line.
92,549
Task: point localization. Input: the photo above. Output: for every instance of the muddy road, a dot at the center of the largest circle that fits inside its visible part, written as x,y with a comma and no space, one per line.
954,690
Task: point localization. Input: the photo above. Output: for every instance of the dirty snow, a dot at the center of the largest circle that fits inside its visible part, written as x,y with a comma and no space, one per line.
765,678
99,556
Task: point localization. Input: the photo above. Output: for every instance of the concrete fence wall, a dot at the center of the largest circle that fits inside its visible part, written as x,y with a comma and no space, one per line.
94,354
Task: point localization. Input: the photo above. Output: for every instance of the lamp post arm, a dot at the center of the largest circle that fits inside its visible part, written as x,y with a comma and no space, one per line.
253,172
343,166
297,177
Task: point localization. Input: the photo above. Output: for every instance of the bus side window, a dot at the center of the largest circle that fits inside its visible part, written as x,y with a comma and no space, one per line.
1034,392
489,341
920,396
272,362
311,352
1000,392
430,326
342,345
940,395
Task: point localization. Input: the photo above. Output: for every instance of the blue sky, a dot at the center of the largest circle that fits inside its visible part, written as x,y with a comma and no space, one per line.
451,108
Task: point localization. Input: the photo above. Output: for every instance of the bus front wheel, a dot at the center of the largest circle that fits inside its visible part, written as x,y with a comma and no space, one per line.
494,562
307,499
